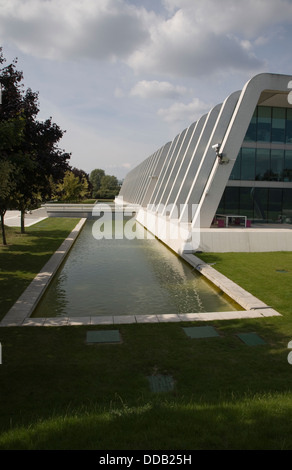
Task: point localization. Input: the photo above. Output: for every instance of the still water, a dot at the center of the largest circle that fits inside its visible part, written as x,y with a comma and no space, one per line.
126,277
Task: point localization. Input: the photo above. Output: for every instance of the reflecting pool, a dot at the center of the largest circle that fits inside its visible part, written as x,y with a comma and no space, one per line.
126,277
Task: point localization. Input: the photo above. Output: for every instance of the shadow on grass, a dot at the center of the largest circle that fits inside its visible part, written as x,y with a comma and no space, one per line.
227,395
163,426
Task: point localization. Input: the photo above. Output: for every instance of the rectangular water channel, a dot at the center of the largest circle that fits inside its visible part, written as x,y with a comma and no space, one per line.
138,276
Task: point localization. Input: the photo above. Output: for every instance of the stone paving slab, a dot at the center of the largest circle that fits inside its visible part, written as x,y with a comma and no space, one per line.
251,339
75,321
124,319
146,319
106,336
161,383
105,320
201,332
168,318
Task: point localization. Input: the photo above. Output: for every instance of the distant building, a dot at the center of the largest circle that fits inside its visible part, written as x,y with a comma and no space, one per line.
234,161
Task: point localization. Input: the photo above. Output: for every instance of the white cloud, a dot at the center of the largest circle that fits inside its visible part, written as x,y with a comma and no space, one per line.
196,38
60,29
155,89
206,36
248,17
180,112
88,58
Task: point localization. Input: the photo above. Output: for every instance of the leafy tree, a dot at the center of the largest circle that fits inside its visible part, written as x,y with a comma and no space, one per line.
10,135
37,160
82,175
109,187
6,186
72,188
95,180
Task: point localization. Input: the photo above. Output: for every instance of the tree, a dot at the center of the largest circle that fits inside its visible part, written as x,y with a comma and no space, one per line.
95,180
5,190
10,135
72,188
103,186
109,187
37,160
82,175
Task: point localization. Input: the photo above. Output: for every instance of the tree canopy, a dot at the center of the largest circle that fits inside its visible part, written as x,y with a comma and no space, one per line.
29,152
103,186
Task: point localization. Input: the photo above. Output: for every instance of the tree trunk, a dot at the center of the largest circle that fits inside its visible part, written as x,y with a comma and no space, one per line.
22,214
3,230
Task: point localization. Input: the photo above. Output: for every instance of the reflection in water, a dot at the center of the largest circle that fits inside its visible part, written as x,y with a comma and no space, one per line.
126,277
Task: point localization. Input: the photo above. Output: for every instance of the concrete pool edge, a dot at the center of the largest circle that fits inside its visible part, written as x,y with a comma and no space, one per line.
19,314
243,298
139,319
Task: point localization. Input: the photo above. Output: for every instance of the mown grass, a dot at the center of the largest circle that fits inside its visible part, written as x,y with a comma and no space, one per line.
266,275
57,392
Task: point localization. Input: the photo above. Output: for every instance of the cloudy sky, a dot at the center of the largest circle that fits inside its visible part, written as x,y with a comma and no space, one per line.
123,77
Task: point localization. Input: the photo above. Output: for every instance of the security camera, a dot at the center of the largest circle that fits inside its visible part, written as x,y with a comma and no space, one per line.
216,146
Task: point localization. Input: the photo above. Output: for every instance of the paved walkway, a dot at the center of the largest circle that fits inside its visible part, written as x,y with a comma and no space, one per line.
12,218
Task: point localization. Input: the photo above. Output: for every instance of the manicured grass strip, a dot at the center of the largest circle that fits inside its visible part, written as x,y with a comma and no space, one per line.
259,422
268,276
26,254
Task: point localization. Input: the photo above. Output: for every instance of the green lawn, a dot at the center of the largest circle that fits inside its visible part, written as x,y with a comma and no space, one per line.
57,392
266,275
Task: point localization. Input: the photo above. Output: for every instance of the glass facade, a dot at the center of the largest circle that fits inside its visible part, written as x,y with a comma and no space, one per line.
266,155
261,164
270,125
265,205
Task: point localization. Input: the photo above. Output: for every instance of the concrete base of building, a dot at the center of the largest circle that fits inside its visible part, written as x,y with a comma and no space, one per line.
182,238
256,239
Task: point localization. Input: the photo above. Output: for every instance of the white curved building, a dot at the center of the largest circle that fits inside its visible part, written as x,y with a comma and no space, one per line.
225,182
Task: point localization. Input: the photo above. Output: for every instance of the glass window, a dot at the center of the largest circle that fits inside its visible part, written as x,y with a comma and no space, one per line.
287,172
251,133
231,200
287,206
263,165
247,164
275,205
235,173
246,202
277,165
278,125
289,126
264,124
221,207
260,202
